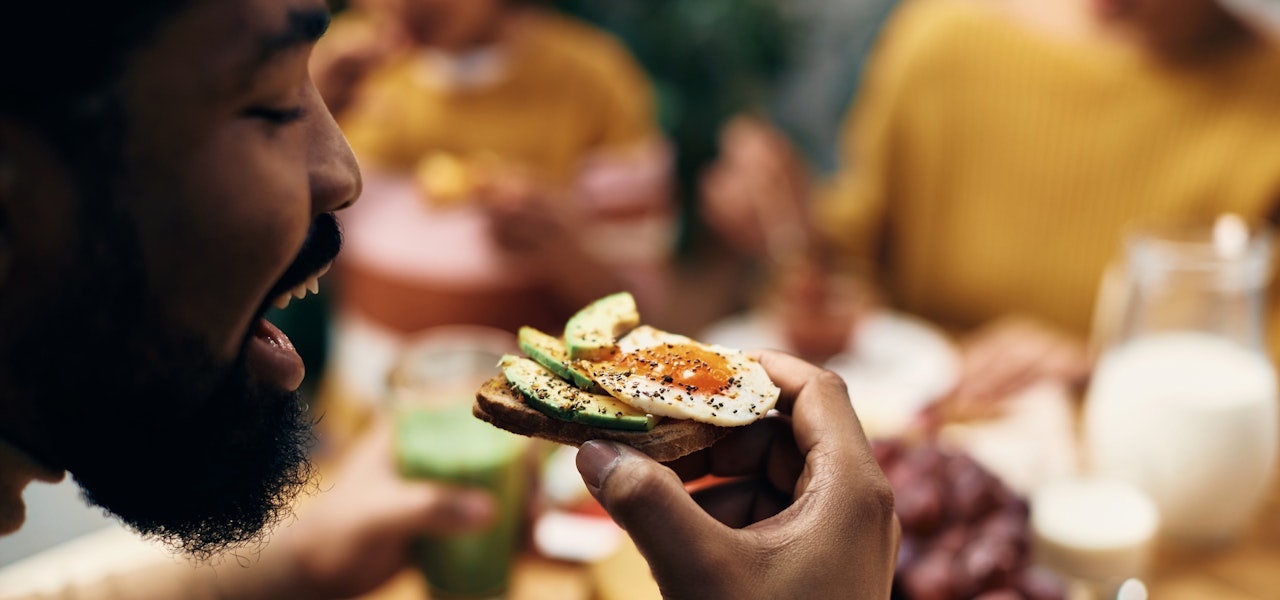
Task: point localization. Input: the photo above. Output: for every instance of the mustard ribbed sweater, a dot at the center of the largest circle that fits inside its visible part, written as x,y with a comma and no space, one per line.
991,169
569,90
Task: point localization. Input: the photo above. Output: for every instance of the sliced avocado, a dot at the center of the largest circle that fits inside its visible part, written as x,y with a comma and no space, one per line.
592,333
556,398
550,352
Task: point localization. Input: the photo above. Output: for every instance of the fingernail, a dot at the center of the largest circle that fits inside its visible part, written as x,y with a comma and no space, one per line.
596,459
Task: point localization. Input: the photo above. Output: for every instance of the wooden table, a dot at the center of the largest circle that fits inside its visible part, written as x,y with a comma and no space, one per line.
535,578
1248,570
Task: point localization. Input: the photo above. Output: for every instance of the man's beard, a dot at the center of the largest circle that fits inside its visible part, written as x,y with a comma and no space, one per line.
182,447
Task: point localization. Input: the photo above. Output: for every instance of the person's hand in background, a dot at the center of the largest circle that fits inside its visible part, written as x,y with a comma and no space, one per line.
818,309
531,221
1010,354
352,48
541,231
806,513
754,196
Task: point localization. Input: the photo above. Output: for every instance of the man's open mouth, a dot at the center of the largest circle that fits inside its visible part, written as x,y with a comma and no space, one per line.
300,291
322,245
270,355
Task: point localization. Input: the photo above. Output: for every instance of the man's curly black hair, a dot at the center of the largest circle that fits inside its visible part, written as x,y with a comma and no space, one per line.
63,61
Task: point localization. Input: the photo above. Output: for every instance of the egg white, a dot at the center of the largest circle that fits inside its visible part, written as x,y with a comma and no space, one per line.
746,397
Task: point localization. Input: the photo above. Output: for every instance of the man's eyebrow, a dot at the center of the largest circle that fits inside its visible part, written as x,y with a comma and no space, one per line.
304,27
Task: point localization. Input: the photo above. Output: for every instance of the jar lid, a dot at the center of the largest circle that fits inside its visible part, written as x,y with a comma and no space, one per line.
1094,529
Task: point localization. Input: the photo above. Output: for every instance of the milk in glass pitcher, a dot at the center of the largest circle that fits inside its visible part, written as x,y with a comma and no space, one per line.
1183,402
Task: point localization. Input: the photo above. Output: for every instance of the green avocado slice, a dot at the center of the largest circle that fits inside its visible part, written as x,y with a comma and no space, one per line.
592,333
550,352
556,398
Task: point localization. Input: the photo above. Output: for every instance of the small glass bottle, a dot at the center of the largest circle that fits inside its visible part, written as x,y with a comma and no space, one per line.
1183,403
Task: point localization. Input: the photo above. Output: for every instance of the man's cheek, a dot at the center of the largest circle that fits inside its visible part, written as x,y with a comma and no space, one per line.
257,254
233,214
243,253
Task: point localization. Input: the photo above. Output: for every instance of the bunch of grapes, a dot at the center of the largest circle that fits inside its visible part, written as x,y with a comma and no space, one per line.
964,533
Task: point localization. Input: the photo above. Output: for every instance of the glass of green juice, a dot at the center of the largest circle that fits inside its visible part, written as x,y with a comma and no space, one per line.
432,389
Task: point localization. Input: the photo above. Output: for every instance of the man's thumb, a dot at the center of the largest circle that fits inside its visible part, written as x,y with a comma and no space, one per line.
646,499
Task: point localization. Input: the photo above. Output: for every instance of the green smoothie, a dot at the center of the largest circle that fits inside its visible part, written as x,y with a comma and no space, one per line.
449,444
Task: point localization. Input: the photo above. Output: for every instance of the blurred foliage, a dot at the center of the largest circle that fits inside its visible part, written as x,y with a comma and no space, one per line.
708,60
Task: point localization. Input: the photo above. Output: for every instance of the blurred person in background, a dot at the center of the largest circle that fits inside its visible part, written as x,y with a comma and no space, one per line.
998,150
166,173
514,170
797,61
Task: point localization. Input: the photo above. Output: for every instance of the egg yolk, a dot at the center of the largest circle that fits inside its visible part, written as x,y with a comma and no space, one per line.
680,365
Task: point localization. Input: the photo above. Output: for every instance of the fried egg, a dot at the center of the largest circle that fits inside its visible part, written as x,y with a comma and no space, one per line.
674,376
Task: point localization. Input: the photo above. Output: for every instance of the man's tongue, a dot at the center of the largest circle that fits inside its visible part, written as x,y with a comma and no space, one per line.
272,359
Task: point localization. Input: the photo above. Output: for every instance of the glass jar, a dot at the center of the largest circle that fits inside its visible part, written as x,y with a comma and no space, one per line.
1183,402
432,388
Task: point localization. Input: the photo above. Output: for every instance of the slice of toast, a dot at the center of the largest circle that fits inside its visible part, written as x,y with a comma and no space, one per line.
500,405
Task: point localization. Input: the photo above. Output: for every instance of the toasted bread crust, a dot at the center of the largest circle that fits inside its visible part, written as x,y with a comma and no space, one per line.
500,405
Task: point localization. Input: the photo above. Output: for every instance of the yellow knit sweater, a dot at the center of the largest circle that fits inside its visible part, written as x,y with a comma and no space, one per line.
990,169
569,90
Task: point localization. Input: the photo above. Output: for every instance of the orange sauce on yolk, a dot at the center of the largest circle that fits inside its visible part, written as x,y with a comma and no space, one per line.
685,366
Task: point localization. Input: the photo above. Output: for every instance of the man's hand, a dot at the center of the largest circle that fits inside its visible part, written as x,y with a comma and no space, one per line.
806,513
356,533
1007,355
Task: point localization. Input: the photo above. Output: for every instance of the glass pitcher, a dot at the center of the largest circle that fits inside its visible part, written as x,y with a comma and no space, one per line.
1183,401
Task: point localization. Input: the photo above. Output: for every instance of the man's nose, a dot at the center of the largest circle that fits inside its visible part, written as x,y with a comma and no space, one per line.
334,173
